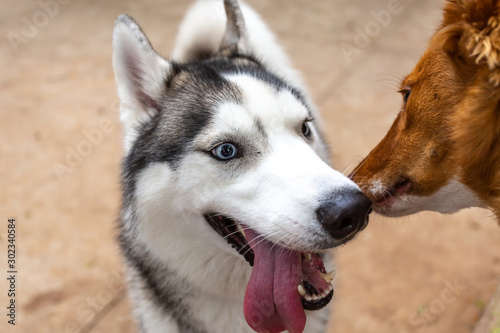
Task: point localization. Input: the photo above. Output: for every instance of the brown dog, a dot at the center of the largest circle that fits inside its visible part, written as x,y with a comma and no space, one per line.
443,151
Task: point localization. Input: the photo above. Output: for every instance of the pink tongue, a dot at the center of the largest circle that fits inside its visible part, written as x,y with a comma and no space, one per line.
272,302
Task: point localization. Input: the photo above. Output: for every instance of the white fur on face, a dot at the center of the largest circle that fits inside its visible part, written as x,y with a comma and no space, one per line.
276,191
449,199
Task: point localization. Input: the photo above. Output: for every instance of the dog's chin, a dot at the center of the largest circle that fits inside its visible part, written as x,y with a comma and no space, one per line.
315,288
395,210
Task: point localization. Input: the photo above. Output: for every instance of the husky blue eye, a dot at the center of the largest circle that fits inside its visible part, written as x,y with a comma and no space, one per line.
225,151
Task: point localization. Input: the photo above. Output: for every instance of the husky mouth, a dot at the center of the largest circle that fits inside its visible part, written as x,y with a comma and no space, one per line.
283,283
233,233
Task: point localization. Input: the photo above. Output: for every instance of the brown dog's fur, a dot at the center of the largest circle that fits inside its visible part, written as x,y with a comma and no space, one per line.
449,126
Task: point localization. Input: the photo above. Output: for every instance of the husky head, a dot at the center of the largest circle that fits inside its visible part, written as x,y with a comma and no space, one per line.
221,152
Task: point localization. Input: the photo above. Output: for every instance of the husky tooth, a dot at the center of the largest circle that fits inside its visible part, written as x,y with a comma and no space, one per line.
240,229
329,276
301,289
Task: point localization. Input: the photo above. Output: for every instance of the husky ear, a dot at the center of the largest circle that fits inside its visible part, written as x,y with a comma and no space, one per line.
235,35
140,73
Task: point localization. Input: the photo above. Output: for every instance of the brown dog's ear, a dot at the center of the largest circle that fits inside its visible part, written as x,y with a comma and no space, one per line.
449,36
484,44
449,39
471,30
484,47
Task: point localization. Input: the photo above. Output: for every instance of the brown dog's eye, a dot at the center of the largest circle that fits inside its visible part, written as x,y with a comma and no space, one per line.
406,95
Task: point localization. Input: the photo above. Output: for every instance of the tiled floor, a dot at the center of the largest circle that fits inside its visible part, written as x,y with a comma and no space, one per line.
56,85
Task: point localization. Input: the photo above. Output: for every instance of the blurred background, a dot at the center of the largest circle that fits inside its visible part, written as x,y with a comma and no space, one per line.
60,147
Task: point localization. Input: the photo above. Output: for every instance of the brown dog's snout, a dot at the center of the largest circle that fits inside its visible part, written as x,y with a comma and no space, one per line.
344,214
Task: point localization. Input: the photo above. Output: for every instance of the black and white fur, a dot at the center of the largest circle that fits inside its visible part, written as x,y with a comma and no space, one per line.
226,83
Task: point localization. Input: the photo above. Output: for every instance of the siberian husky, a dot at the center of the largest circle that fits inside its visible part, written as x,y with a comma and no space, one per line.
225,169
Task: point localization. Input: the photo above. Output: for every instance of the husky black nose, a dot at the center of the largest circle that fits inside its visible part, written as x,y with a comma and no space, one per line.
344,214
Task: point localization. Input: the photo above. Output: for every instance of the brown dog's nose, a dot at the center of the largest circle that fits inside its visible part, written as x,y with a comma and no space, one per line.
343,214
